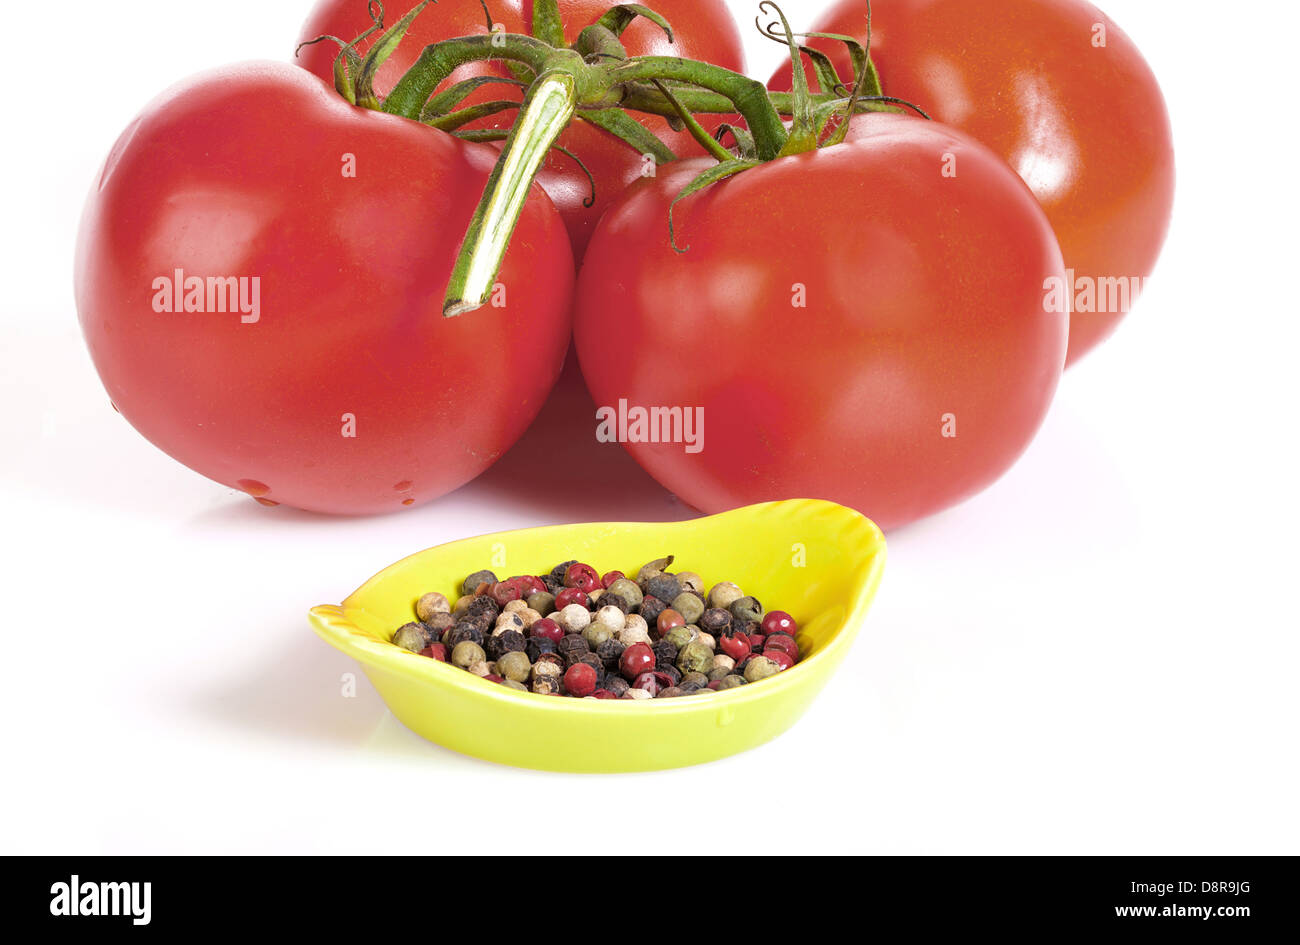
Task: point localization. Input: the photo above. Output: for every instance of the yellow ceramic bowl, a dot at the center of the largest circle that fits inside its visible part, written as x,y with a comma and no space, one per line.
819,561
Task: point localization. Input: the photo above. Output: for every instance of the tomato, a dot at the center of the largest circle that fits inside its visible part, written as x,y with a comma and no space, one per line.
703,30
847,324
1084,124
322,375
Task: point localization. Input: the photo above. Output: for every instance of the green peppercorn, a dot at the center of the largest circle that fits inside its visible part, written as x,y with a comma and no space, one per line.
672,692
430,604
597,633
512,684
654,567
747,610
731,682
690,581
694,658
695,680
414,637
689,606
543,602
474,580
467,653
680,636
719,673
628,591
760,667
515,665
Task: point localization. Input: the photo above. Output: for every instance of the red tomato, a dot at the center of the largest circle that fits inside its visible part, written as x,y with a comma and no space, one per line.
343,389
703,30
1084,124
849,323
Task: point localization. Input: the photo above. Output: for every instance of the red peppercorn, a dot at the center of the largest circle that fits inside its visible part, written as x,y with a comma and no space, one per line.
778,621
636,659
529,585
493,677
780,658
583,577
669,620
779,641
736,646
611,577
435,651
547,629
715,685
604,694
580,680
572,595
503,592
653,683
756,641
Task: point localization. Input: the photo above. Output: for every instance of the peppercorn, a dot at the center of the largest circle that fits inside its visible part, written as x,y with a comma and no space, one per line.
552,584
725,594
440,623
663,586
464,633
466,653
723,661
609,577
515,665
672,692
731,682
616,601
512,641
665,654
537,646
515,685
630,591
635,694
747,609
694,658
481,668
483,607
617,685
780,657
610,652
718,673
413,636
572,597
611,617
462,604
543,602
760,667
680,636
573,645
651,608
652,683
580,680
634,631
557,572
786,644
583,577
597,633
668,620
430,604
694,680
595,662
508,621
549,664
689,606
471,583
546,685
715,620
672,672
707,639
574,618
651,569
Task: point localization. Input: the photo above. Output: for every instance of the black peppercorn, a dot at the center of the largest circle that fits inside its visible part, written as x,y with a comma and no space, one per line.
610,652
665,654
695,681
462,632
651,608
512,641
537,646
483,607
610,599
617,685
672,672
573,645
716,622
553,584
672,692
559,570
663,586
474,580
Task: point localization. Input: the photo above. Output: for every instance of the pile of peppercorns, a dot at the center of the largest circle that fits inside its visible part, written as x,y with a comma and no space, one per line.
606,637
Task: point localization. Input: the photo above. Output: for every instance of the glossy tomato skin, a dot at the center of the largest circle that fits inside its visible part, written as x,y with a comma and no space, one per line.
925,358
703,30
348,392
1085,125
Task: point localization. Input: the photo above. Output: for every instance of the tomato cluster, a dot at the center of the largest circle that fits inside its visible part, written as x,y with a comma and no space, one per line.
878,316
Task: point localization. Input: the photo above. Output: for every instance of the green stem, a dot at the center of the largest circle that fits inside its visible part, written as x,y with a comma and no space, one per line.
440,60
546,113
748,96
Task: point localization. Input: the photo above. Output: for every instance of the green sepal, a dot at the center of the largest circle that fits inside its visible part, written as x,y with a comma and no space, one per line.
444,102
717,172
630,131
705,140
619,18
548,26
458,119
379,54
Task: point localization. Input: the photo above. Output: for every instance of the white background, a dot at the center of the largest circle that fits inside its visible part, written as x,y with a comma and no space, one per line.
1098,655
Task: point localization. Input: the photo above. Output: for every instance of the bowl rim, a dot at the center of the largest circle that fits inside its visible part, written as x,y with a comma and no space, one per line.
860,535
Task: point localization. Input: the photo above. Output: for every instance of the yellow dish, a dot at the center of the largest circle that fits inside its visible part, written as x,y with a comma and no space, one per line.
819,561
